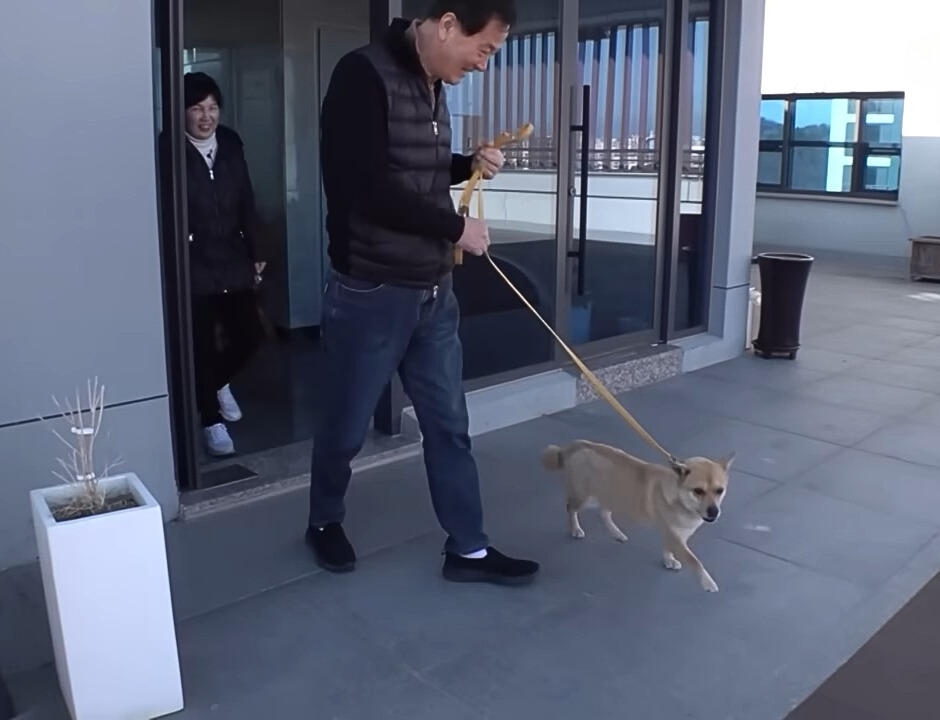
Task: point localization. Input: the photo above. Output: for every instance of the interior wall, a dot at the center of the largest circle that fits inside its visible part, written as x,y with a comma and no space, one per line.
315,36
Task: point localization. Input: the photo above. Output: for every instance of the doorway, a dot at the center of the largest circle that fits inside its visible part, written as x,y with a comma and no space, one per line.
271,62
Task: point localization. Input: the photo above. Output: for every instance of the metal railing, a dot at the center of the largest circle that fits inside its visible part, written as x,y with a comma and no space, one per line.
629,161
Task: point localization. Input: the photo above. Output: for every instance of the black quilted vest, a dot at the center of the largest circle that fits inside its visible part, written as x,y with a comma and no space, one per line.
419,148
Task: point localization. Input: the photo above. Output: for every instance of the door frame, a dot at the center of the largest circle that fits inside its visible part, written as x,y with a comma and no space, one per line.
171,201
714,79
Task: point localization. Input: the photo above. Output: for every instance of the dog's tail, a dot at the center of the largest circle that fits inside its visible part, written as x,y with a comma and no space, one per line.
553,458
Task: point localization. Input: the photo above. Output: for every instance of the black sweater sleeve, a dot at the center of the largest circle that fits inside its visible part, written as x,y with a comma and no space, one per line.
354,138
461,168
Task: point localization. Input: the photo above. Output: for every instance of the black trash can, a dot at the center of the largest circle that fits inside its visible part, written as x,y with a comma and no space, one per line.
783,278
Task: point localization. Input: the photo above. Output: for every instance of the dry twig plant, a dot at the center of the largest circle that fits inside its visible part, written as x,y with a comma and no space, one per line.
78,467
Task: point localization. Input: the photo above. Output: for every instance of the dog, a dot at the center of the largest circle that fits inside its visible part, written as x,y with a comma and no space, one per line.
677,500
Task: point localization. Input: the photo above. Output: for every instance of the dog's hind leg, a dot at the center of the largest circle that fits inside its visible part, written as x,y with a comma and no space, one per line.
574,527
615,532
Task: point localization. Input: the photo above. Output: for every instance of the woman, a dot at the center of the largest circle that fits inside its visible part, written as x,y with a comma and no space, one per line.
224,259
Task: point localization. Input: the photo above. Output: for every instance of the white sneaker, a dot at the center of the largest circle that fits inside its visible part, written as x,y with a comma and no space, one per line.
228,408
218,441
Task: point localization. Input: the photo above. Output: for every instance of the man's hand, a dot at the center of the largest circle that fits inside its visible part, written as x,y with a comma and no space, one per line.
475,238
489,160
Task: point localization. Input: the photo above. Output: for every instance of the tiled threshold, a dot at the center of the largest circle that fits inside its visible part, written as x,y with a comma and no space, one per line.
491,408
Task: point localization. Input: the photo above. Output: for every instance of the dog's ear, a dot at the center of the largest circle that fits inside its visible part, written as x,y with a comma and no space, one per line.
682,471
726,462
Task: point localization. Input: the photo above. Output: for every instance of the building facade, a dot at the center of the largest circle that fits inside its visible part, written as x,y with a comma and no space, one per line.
856,171
627,218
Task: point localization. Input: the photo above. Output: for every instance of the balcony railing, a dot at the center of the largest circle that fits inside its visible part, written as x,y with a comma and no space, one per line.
630,161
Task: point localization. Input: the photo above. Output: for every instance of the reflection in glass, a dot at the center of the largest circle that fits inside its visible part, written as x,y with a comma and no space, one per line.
882,121
827,120
772,118
612,277
882,173
770,168
821,169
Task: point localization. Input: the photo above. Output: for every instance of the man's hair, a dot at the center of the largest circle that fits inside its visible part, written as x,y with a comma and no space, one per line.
474,15
197,86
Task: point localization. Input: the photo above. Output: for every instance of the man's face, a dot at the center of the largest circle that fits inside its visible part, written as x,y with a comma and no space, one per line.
461,53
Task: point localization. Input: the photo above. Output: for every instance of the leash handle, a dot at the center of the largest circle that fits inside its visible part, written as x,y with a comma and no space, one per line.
463,207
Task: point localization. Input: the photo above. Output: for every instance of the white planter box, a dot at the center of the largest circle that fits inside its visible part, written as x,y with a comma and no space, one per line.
110,612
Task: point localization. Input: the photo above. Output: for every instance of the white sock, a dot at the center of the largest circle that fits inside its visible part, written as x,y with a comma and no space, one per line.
478,555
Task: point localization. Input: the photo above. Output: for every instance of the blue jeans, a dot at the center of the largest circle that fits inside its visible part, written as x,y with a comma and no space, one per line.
369,331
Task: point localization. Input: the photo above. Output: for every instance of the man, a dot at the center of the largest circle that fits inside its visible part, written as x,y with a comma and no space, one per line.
389,303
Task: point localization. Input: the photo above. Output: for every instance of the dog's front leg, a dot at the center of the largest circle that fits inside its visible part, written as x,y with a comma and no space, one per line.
574,527
678,549
670,562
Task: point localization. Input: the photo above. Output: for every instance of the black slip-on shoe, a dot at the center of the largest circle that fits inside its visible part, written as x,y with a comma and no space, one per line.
495,568
331,548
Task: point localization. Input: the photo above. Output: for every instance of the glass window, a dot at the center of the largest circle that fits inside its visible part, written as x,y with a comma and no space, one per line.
881,121
770,167
821,169
882,173
772,115
828,120
826,144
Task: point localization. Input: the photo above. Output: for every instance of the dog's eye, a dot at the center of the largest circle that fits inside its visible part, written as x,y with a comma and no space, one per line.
699,492
719,491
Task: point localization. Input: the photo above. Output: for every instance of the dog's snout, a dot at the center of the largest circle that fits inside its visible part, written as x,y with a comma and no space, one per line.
711,514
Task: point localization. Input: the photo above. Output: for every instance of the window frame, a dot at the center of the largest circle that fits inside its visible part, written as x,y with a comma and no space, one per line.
861,150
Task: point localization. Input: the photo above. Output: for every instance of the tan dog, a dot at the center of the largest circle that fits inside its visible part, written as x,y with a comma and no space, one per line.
678,501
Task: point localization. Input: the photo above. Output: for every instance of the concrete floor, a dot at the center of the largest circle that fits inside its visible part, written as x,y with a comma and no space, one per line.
829,527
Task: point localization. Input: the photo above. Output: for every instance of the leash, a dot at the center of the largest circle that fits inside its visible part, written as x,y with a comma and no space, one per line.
463,209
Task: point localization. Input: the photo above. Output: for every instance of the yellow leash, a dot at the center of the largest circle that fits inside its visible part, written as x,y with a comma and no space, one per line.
464,209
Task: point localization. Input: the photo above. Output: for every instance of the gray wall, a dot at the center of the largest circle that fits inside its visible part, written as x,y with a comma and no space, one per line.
80,271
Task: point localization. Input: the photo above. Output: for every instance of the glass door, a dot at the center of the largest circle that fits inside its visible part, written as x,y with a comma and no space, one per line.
615,170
